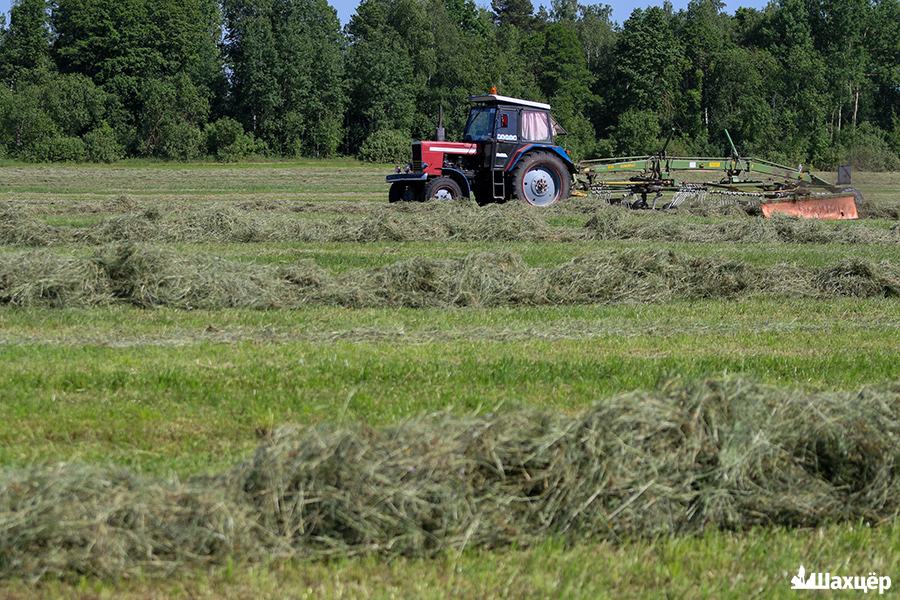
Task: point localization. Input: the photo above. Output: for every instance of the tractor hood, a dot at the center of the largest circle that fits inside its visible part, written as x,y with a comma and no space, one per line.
428,156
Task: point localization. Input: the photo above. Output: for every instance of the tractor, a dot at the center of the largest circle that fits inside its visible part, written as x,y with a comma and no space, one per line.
508,151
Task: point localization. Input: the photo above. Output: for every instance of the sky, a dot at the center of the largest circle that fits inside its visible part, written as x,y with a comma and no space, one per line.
621,8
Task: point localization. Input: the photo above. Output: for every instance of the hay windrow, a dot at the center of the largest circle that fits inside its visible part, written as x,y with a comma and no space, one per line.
465,222
43,278
618,223
68,519
481,279
678,460
20,228
149,276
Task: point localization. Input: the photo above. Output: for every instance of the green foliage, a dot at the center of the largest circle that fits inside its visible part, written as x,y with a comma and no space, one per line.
386,146
799,82
25,50
133,48
516,13
287,73
567,81
868,148
382,87
179,140
74,103
23,123
172,109
59,148
227,141
649,60
638,132
101,145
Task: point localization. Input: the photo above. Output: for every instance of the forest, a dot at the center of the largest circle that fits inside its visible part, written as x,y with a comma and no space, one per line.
815,82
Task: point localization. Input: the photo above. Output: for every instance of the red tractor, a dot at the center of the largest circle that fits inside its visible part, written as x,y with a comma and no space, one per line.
508,151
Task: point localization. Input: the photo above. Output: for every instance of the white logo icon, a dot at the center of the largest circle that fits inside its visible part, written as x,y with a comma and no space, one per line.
827,581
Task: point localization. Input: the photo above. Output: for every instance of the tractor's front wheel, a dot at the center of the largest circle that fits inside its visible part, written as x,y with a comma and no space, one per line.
442,188
402,191
541,179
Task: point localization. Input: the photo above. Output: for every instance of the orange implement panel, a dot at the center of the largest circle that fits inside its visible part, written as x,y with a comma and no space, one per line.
827,208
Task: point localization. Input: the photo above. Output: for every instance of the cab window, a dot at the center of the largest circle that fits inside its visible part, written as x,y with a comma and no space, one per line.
535,126
480,126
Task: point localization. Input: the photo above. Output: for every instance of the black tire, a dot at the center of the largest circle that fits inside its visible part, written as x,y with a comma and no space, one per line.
402,191
397,192
541,179
443,188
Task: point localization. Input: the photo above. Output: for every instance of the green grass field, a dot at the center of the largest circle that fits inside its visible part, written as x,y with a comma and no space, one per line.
190,391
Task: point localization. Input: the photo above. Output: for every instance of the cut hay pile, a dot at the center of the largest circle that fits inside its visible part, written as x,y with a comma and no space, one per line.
148,276
678,460
480,279
466,222
613,223
653,276
44,278
222,224
503,224
19,228
457,222
69,519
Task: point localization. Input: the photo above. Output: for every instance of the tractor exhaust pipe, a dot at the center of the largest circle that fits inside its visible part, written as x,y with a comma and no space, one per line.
440,134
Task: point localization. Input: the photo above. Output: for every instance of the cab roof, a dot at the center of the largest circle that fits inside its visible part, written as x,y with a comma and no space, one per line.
494,98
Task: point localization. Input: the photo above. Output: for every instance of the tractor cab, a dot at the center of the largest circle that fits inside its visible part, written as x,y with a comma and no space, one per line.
508,150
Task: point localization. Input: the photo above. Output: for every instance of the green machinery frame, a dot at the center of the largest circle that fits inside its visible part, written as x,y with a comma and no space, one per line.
657,174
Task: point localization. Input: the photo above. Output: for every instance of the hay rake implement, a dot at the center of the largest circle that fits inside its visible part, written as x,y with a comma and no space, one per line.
753,183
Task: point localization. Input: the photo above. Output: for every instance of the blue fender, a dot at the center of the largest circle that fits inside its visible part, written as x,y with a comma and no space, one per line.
558,150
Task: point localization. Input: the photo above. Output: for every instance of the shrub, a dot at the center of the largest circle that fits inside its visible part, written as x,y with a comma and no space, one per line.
870,150
180,140
74,103
227,141
604,147
59,148
386,146
101,145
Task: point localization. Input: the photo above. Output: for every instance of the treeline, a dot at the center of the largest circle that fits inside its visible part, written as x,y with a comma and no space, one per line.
801,81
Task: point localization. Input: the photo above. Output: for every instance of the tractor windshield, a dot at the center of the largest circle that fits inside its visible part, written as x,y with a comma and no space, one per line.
480,126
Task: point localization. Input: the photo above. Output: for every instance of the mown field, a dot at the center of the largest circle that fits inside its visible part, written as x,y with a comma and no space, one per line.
169,319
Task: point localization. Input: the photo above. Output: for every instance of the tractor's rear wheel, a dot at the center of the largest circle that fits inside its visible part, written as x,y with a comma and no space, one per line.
442,188
541,179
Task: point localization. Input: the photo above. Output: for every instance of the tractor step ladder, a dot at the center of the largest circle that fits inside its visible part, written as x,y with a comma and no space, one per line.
499,184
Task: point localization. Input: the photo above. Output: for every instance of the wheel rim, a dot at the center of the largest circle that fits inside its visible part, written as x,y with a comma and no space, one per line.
540,186
442,194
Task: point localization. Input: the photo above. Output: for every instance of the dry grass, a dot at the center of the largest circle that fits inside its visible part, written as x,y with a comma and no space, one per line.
618,224
42,278
147,276
679,460
464,222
